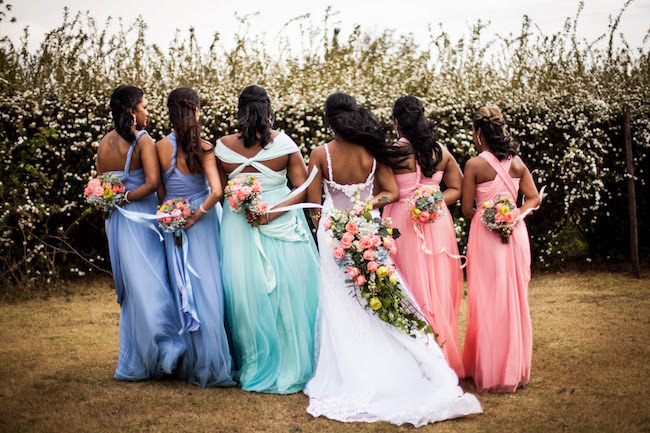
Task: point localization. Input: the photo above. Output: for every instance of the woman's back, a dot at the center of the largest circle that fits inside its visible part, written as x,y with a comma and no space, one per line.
112,154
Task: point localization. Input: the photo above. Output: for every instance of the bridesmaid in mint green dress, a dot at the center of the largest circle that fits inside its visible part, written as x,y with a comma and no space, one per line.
270,271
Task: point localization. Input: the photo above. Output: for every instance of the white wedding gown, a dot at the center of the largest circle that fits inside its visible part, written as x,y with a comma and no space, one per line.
368,370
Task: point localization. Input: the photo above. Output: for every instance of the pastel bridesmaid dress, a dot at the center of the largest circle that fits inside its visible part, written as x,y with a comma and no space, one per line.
498,343
195,276
429,263
149,342
270,276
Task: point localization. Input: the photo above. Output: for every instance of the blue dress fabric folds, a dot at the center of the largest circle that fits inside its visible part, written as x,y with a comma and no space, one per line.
270,275
150,345
195,279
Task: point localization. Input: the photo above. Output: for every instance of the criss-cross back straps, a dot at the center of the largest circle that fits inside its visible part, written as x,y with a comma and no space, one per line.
329,167
280,146
129,154
502,169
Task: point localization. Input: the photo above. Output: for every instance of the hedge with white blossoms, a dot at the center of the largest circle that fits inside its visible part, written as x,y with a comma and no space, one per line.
563,100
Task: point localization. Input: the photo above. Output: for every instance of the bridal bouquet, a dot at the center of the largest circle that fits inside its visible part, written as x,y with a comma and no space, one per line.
243,193
500,215
104,192
362,246
425,206
173,216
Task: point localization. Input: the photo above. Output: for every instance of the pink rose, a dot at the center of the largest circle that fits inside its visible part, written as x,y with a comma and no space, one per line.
240,195
327,223
434,216
352,227
116,188
93,183
186,212
121,188
257,187
107,185
424,217
234,191
498,218
232,202
167,220
372,266
88,190
236,181
98,191
168,203
389,242
509,217
346,240
360,280
368,254
359,209
247,190
365,242
393,250
338,252
261,207
498,207
179,205
410,204
391,269
376,240
353,272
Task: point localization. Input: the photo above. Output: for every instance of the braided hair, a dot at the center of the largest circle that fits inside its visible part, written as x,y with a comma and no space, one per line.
358,125
408,111
123,98
253,114
489,119
182,104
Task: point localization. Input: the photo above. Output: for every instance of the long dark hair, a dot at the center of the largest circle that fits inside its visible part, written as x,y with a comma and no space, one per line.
122,99
408,111
253,114
182,103
489,119
358,125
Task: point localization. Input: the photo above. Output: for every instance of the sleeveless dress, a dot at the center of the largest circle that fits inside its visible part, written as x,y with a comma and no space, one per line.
149,342
367,369
270,275
434,277
199,292
498,342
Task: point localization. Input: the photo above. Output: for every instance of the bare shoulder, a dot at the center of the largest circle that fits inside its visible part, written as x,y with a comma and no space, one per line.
206,145
518,165
145,140
230,140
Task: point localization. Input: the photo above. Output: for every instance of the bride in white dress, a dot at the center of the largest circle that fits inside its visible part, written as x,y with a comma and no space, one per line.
368,370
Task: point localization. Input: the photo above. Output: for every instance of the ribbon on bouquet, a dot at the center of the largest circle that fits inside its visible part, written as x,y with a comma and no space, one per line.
182,269
418,232
443,250
144,218
527,211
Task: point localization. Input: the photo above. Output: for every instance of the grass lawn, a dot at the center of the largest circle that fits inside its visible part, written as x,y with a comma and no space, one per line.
591,370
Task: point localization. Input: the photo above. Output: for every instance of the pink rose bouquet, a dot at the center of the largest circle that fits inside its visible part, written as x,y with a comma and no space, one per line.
500,216
425,206
173,216
104,192
362,246
243,193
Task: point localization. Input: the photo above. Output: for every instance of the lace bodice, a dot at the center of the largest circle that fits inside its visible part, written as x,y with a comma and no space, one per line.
342,196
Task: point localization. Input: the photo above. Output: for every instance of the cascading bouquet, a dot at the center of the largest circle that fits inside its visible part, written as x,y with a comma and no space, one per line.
174,213
104,192
243,193
425,206
362,246
500,216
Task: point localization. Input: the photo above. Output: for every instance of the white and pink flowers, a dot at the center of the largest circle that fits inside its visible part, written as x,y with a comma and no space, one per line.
243,193
174,213
425,206
500,215
104,192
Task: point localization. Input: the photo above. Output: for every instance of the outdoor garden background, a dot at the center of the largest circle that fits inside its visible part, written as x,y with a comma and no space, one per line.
563,98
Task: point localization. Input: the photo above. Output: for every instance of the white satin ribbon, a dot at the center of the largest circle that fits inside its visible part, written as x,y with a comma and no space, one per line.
527,211
297,192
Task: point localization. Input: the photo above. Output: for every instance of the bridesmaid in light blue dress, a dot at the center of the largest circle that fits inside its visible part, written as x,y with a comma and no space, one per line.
270,271
194,267
150,345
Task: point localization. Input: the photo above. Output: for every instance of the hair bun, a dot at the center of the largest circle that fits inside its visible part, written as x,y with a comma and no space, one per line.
338,103
253,94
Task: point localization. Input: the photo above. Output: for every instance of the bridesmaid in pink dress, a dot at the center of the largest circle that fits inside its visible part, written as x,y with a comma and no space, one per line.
498,343
427,254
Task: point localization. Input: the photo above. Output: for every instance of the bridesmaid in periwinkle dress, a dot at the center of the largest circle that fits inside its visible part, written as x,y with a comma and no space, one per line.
498,343
427,254
149,342
190,171
270,270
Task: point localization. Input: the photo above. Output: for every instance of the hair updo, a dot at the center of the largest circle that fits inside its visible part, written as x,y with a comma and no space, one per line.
182,104
408,111
123,98
358,125
253,116
490,121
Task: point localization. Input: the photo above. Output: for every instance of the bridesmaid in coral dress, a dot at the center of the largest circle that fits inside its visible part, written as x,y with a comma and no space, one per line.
427,254
498,343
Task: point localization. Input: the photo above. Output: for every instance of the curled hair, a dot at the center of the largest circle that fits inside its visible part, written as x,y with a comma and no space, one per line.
254,111
182,104
358,125
408,111
489,119
123,98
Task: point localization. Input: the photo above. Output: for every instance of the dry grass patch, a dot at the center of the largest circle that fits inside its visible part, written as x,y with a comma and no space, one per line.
590,371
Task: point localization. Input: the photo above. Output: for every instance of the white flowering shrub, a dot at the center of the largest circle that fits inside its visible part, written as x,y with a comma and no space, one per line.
563,100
